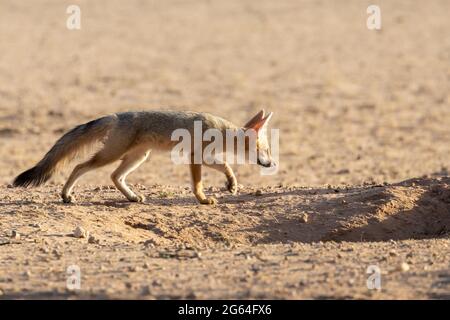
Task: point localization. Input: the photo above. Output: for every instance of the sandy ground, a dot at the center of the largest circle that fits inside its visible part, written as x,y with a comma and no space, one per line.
364,149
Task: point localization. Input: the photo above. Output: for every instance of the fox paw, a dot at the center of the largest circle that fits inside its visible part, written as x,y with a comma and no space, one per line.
232,187
137,198
67,198
209,200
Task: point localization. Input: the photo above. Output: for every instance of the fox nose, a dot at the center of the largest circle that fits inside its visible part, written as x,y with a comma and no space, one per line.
266,165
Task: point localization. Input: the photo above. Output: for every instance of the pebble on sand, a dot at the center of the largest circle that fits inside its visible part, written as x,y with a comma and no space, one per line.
79,232
404,267
15,235
93,240
393,253
303,218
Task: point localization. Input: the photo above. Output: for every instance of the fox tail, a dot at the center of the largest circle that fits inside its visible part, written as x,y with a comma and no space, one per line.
69,146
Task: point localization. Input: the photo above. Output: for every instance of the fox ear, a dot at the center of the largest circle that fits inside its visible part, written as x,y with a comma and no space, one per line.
260,125
258,117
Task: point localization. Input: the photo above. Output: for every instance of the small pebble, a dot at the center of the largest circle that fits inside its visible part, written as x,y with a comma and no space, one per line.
15,235
79,232
57,253
133,269
44,250
93,240
404,267
156,283
303,218
258,193
129,285
146,290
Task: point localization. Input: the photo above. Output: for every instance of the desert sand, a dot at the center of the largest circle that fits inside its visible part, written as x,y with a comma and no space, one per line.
364,149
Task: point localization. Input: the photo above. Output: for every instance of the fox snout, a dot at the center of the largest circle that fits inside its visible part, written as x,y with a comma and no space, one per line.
266,165
265,160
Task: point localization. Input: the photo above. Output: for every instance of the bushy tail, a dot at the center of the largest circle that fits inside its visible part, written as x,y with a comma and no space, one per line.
65,149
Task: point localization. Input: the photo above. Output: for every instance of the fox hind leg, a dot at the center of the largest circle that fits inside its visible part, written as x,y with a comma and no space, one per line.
110,153
130,163
96,162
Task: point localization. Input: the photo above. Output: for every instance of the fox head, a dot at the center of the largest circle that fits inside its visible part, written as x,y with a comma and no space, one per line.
259,124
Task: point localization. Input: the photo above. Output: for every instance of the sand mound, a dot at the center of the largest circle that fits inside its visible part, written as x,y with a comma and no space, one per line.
414,209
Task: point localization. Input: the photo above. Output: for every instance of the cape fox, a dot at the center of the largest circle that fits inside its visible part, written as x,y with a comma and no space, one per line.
130,136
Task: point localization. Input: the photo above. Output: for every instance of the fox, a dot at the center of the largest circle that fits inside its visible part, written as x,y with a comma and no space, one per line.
130,137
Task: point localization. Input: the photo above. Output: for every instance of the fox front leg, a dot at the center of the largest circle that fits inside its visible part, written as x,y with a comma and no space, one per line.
197,185
225,168
232,185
